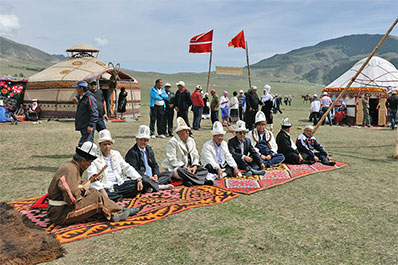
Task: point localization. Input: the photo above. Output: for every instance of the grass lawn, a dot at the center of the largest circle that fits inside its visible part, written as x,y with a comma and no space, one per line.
346,216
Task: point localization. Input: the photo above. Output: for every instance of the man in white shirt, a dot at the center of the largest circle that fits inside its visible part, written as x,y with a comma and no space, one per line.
314,110
325,102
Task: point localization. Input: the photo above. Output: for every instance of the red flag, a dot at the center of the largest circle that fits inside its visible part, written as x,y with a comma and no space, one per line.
201,43
238,41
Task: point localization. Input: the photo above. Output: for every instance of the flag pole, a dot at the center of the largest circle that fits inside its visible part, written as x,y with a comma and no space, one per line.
355,77
248,65
208,74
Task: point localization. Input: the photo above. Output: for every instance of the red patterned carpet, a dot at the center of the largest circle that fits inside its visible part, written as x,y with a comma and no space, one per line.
274,176
154,206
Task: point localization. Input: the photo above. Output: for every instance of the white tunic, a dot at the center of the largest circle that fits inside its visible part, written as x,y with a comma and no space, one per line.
208,155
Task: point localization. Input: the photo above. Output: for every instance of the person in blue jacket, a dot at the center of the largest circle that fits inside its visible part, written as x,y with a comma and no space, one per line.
86,114
157,104
268,157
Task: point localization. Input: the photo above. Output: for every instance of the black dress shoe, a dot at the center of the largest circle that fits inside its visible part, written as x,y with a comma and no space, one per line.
209,182
187,183
258,172
330,163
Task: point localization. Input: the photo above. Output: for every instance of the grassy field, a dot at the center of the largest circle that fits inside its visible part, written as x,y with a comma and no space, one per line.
346,216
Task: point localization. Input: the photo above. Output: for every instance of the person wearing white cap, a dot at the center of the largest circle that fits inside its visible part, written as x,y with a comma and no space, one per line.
244,154
70,200
266,103
224,107
314,109
287,146
252,102
307,145
392,105
197,107
182,102
215,155
169,111
119,179
142,158
182,157
158,97
241,97
325,103
234,104
264,142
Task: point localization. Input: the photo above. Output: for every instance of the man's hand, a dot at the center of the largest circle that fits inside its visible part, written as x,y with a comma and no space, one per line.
95,178
264,157
154,178
219,172
236,172
171,106
250,109
177,109
139,185
105,116
193,169
248,159
262,166
316,158
90,129
329,157
300,158
75,100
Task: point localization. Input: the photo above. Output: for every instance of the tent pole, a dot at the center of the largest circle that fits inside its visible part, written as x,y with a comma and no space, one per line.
355,77
208,74
248,65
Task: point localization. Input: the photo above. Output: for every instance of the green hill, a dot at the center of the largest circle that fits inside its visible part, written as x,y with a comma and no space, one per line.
325,61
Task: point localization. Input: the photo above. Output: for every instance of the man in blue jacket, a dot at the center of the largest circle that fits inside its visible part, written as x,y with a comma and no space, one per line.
86,114
157,104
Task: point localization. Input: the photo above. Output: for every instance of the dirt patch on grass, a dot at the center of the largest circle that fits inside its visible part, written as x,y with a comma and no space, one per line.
22,242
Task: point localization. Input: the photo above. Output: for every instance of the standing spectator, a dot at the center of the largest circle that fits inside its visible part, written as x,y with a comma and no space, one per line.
325,102
197,107
286,100
122,102
214,105
101,105
224,106
183,101
290,100
241,97
157,104
315,108
252,102
266,102
169,112
234,104
206,108
392,105
365,106
86,114
278,103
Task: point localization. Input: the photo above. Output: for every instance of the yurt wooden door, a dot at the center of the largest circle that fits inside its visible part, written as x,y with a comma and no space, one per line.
382,112
359,116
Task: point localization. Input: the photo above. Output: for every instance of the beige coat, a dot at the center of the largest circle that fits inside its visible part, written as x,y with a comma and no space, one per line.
208,155
177,153
269,137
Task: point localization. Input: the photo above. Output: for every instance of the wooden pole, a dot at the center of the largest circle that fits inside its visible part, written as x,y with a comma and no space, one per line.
356,75
208,74
248,65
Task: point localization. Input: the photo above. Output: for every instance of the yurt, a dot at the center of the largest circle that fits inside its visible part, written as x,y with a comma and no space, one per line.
53,86
377,78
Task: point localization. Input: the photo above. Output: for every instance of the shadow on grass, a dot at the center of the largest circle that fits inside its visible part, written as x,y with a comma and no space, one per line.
387,160
38,168
53,156
357,146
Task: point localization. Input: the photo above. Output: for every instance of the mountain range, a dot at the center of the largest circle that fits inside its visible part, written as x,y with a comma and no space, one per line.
321,63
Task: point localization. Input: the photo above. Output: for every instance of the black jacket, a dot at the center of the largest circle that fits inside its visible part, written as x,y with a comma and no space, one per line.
183,100
284,143
248,150
252,101
170,100
87,112
392,102
136,160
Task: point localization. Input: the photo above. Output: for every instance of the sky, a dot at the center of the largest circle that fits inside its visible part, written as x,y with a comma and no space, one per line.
150,35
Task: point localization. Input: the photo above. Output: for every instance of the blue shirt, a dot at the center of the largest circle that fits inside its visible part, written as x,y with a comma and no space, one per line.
154,95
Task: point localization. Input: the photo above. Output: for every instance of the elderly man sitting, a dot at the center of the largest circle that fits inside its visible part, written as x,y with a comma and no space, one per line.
264,142
306,144
70,201
246,157
142,158
215,155
182,157
119,179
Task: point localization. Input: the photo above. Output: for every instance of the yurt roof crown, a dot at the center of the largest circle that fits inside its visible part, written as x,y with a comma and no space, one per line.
83,50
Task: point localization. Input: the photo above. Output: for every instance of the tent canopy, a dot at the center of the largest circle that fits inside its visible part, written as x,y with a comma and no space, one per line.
379,75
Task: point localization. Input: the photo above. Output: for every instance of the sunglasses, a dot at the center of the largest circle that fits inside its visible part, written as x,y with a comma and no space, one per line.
241,132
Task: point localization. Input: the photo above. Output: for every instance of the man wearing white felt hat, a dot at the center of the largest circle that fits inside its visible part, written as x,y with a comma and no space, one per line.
142,158
182,157
70,201
215,155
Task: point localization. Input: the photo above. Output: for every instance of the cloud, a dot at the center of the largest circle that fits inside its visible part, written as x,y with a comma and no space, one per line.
9,24
101,42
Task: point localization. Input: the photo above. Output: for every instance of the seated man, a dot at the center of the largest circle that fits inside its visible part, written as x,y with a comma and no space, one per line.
264,142
33,111
142,158
119,179
215,155
244,154
286,146
69,199
182,157
306,144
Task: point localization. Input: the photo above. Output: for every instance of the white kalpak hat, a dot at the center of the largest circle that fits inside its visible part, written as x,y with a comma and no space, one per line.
88,150
240,126
315,95
167,85
260,117
143,132
254,87
217,128
181,125
308,127
286,123
199,87
180,83
105,136
325,93
241,91
267,88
